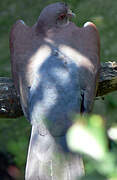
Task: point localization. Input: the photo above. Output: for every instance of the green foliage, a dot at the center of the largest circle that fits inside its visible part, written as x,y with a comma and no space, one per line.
14,136
88,136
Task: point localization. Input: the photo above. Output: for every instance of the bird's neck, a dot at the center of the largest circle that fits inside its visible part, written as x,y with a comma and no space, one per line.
43,27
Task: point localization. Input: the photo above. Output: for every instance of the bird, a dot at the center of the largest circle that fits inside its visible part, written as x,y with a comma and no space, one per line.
55,67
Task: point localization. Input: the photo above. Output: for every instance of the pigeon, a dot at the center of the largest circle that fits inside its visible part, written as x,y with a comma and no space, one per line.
55,66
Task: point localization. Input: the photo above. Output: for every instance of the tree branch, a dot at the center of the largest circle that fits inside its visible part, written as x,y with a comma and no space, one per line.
10,103
107,78
9,100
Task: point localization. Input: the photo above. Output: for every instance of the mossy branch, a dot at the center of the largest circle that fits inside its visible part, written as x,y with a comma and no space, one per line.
10,103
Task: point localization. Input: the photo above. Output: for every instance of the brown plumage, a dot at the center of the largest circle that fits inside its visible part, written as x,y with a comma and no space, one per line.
55,67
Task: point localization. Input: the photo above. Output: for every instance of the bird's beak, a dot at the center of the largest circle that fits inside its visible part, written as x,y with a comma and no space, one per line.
70,14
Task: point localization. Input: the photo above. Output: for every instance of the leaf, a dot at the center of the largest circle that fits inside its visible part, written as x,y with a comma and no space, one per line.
88,136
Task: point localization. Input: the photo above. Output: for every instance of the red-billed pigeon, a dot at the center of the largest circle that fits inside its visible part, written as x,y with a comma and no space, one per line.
55,67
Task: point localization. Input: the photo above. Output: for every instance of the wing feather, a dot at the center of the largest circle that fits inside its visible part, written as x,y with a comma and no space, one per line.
18,39
93,53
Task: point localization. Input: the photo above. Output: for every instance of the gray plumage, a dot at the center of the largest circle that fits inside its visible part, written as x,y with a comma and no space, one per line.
55,68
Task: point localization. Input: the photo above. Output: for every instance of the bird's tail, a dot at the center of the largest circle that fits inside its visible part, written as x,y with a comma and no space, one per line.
49,159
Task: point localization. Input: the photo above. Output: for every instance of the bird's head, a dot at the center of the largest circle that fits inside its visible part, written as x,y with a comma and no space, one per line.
57,14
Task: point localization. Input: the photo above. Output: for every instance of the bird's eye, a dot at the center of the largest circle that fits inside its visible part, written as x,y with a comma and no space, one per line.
62,16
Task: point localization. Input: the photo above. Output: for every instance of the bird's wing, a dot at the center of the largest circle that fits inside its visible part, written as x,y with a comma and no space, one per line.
19,43
90,68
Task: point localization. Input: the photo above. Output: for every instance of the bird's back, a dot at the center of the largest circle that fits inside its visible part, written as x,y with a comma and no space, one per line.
62,78
55,94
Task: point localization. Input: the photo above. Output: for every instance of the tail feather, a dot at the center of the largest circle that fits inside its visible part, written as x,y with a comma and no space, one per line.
48,159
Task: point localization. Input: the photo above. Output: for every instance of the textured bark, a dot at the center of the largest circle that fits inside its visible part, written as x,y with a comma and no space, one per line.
107,78
10,102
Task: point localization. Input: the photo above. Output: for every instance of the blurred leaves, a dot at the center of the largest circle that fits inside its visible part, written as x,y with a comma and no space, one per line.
88,136
14,135
94,176
112,133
